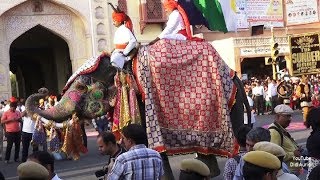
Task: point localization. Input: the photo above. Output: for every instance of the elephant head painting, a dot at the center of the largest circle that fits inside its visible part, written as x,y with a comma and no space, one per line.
193,85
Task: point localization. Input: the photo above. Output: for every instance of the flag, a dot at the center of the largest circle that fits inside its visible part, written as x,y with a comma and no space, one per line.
220,14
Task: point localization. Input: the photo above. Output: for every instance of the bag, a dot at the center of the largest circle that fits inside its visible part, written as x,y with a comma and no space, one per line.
39,136
280,133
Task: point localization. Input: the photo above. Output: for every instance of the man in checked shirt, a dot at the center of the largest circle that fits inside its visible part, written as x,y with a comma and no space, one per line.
139,162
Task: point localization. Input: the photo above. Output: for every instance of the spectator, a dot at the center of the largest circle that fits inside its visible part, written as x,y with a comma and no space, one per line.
280,153
313,145
260,165
139,162
193,169
231,164
108,146
258,94
11,119
281,137
32,171
314,174
46,160
273,94
255,135
27,132
245,117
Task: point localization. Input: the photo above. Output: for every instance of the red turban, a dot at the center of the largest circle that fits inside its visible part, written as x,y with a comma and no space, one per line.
121,17
170,4
13,99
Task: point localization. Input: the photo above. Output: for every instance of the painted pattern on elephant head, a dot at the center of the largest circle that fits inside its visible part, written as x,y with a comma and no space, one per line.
88,96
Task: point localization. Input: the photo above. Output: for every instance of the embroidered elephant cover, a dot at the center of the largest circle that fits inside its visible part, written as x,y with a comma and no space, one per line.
188,94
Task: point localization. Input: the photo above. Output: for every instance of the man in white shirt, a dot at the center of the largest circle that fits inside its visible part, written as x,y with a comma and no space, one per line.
124,40
178,26
258,93
272,92
26,136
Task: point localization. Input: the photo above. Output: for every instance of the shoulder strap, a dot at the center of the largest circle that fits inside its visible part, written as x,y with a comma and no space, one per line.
237,158
280,133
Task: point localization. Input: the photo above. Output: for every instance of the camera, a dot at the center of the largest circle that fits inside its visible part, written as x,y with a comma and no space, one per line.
100,174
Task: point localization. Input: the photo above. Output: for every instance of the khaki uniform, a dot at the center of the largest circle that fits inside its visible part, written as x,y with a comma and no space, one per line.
288,144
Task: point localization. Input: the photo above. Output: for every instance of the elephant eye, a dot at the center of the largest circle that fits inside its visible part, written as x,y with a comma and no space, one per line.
97,94
81,87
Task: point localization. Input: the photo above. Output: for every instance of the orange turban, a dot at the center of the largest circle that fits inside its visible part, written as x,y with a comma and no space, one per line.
170,4
119,17
122,17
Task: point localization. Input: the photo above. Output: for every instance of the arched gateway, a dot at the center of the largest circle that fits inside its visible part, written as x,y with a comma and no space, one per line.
42,43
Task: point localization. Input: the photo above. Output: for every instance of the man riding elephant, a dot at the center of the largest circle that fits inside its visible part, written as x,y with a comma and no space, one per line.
124,39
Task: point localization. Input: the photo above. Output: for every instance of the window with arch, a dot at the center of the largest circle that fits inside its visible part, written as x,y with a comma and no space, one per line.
99,12
122,4
151,12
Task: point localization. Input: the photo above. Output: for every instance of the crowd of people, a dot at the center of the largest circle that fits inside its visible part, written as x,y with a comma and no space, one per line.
273,153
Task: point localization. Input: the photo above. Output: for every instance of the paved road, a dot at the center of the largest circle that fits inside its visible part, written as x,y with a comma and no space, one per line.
84,168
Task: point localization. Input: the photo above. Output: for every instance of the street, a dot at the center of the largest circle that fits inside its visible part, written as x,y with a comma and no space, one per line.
85,167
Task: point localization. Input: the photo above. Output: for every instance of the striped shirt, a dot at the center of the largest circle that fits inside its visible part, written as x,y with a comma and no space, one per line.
139,163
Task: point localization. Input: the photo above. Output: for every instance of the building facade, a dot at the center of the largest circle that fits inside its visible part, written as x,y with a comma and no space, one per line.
43,41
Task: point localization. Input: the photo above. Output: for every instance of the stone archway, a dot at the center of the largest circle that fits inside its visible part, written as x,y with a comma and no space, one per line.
57,19
39,58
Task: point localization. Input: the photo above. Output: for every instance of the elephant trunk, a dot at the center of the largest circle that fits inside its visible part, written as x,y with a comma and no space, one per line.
60,112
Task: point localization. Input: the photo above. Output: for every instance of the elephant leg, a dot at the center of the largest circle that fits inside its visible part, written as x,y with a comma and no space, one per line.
211,162
168,175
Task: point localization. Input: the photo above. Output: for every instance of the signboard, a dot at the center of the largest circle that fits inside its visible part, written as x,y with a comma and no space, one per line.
259,12
262,50
301,11
305,54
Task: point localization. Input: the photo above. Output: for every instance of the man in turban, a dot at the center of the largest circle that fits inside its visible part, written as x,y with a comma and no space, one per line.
124,40
178,25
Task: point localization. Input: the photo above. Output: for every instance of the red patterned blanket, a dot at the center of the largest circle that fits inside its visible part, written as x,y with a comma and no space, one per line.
188,94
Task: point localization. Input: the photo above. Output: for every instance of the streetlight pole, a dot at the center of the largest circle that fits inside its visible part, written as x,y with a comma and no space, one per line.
274,72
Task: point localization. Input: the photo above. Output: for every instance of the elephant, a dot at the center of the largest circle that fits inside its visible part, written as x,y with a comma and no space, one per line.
91,89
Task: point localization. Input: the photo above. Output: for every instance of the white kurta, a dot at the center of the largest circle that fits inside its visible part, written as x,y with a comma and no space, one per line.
123,35
174,25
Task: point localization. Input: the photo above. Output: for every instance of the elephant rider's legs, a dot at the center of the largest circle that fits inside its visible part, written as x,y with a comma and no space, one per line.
168,175
84,135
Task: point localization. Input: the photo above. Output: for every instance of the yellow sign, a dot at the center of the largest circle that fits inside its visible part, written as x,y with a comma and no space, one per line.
305,53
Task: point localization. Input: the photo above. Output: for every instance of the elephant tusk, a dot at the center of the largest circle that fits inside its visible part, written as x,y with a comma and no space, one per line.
50,123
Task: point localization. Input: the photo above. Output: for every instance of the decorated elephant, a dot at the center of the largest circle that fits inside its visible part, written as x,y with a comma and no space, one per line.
192,102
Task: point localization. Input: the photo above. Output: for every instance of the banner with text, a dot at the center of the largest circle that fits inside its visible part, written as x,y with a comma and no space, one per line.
301,11
259,12
305,54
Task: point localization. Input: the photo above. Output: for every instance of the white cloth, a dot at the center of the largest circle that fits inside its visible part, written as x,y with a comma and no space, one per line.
123,35
174,25
28,124
245,118
258,91
250,101
56,177
286,176
272,90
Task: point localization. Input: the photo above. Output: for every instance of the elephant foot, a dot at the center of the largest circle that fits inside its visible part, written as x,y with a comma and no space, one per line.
211,162
168,175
